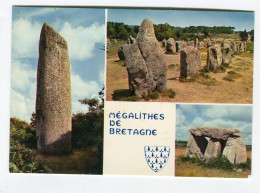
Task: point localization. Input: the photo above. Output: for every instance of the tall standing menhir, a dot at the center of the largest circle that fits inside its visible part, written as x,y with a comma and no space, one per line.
53,98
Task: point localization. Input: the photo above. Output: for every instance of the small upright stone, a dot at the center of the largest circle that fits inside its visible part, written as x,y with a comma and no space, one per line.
234,47
214,57
164,43
190,59
53,100
242,47
191,43
235,151
197,43
213,150
120,53
226,53
108,44
171,46
180,45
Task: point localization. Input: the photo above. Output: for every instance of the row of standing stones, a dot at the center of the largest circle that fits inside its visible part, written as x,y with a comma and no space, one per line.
146,62
147,67
222,142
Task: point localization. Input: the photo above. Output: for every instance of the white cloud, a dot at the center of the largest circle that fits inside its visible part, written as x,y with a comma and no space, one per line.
22,75
81,41
101,77
21,106
25,38
81,89
229,112
39,12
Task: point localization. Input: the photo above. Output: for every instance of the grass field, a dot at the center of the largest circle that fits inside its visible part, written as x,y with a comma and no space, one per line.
212,88
187,169
83,161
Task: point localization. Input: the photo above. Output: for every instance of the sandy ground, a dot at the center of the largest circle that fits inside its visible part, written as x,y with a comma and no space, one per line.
239,91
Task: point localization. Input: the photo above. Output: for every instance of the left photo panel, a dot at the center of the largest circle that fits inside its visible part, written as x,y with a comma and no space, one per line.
57,90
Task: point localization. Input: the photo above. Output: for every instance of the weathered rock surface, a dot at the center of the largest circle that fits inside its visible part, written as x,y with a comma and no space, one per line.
201,45
235,151
180,45
226,53
216,133
145,62
213,150
164,43
190,59
196,147
214,57
197,43
242,47
191,43
131,40
171,46
234,47
53,100
224,142
120,53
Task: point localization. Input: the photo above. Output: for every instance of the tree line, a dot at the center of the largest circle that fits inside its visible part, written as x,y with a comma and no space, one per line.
165,31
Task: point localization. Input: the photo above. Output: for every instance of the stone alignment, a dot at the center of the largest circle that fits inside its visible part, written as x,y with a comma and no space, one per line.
171,46
190,59
224,142
226,53
53,100
145,62
214,57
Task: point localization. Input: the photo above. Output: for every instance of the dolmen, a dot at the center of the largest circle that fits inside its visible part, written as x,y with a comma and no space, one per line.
222,142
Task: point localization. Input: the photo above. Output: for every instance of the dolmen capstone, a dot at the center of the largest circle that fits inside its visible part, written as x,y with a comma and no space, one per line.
53,98
190,60
171,46
226,53
145,62
222,142
214,57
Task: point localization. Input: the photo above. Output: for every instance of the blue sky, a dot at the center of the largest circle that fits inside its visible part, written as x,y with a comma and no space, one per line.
184,18
225,116
84,31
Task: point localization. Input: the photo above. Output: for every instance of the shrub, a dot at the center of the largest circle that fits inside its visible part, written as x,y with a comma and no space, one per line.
219,163
169,93
152,95
22,149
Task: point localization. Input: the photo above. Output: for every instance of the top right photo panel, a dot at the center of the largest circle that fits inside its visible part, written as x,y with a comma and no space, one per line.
189,56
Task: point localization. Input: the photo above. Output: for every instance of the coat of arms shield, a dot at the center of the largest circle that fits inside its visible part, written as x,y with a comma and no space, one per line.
156,156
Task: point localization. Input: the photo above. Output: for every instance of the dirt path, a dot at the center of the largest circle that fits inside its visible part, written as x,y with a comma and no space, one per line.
238,91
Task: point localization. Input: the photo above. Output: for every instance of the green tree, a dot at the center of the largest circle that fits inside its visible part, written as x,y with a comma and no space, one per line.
243,35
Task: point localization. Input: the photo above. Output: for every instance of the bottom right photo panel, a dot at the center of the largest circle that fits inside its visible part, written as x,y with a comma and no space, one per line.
213,140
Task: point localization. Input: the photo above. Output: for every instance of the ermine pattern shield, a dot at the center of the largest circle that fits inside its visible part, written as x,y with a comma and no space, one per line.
156,156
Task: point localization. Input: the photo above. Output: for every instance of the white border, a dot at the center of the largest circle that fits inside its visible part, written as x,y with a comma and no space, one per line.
121,184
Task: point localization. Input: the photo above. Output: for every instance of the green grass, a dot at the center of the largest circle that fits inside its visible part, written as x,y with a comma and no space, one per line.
201,78
232,75
169,93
